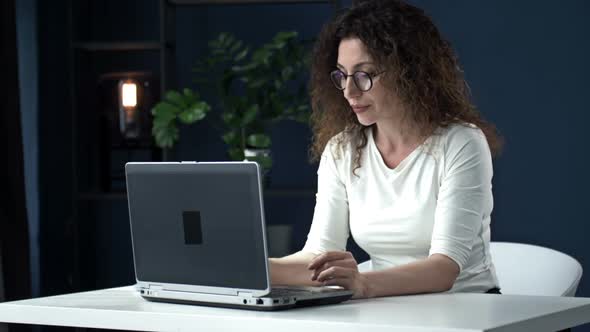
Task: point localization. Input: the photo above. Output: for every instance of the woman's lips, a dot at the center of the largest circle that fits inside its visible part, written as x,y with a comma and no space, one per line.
359,109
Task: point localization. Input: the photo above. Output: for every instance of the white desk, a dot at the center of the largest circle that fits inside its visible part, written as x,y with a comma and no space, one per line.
121,308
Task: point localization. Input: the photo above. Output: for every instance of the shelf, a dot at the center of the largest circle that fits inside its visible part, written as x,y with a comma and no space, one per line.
138,146
289,192
98,196
119,46
244,2
114,196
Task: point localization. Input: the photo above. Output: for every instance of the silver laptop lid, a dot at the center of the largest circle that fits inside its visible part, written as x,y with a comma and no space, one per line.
198,226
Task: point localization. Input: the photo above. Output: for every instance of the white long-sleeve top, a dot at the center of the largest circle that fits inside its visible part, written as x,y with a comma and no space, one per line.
437,200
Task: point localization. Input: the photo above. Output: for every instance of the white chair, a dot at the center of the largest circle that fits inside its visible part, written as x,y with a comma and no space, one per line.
533,270
530,270
365,266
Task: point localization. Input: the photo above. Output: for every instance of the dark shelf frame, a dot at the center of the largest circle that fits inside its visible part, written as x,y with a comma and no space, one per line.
246,2
96,196
336,4
115,196
165,46
120,46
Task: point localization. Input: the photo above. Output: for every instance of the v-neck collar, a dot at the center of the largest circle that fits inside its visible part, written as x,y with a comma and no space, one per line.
377,154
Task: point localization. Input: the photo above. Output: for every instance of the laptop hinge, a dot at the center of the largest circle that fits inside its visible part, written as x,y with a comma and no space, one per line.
155,287
245,294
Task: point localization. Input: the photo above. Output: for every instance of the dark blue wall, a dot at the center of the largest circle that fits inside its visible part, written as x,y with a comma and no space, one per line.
526,63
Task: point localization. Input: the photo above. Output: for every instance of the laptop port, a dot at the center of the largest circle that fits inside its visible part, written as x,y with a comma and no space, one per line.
245,301
259,301
275,301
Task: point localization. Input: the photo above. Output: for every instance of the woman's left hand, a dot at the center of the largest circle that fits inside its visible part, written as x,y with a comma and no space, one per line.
339,268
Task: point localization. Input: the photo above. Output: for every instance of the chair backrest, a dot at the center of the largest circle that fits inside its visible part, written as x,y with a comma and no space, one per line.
366,266
533,270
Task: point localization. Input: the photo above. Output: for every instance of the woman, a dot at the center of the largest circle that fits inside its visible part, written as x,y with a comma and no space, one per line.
405,161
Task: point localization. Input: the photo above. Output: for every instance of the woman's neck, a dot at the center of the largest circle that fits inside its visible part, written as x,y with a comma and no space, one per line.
391,138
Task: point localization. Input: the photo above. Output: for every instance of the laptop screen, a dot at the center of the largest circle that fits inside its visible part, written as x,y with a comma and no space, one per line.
197,224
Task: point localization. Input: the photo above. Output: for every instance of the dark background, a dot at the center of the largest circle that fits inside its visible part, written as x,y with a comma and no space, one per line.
525,61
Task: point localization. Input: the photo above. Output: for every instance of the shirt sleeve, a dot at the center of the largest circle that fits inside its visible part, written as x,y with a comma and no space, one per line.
329,229
465,195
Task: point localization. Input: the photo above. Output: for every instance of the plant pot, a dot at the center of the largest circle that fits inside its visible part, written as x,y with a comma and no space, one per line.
279,240
264,160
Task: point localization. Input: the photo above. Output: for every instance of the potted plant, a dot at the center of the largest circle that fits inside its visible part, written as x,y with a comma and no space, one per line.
254,89
258,89
177,107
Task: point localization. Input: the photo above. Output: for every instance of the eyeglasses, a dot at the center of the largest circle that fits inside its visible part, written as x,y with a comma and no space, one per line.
362,80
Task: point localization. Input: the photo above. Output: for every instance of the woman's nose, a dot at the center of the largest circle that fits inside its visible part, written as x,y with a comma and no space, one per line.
350,88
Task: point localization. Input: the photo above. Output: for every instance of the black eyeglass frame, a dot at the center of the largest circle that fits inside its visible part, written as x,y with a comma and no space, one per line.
354,79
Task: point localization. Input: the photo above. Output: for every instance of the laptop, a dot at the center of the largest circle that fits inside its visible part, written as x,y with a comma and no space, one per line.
199,237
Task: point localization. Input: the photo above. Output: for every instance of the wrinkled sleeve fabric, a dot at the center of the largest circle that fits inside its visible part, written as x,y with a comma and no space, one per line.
330,226
465,195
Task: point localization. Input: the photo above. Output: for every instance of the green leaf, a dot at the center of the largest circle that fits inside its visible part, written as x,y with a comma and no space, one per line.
260,141
194,114
190,96
261,56
236,154
175,98
250,115
229,40
163,120
227,117
302,113
285,35
236,47
279,45
231,138
303,108
241,55
165,136
164,109
245,68
230,119
213,44
301,118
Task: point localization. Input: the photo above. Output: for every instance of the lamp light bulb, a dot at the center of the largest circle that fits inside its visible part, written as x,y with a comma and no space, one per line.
129,94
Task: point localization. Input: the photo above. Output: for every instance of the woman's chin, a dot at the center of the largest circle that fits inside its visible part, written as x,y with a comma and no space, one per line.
364,120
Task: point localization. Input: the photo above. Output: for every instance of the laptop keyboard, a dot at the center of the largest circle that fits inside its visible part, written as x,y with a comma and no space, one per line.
298,290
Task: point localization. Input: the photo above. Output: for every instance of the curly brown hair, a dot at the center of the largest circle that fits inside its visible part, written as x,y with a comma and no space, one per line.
420,67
